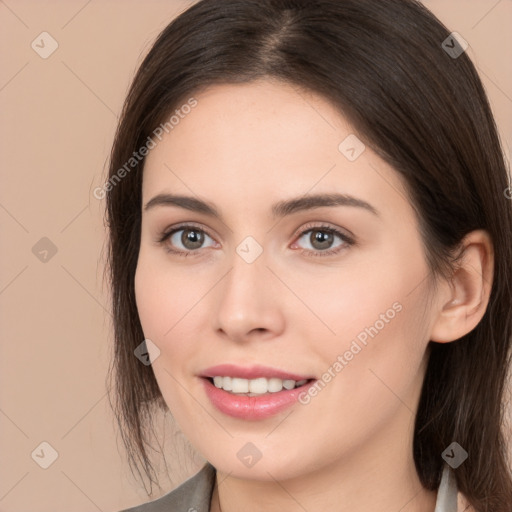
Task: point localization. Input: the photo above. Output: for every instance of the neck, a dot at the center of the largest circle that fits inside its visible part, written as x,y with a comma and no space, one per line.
380,475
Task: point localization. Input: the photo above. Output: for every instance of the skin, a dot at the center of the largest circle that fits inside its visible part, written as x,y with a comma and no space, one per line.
242,148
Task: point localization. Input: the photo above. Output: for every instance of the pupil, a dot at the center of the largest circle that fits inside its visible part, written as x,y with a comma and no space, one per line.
322,238
192,239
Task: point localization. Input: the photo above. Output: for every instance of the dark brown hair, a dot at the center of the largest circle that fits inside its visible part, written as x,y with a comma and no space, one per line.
421,109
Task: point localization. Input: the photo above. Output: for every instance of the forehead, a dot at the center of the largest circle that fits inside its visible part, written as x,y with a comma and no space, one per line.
263,139
265,120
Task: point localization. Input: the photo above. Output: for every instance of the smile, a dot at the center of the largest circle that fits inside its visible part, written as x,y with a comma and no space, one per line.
251,405
255,387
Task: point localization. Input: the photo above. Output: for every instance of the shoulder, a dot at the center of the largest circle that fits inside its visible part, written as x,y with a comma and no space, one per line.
193,495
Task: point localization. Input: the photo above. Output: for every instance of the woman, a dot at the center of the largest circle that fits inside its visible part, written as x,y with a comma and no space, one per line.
310,259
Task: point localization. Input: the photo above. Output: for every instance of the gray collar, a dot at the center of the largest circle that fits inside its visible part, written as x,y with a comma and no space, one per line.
447,492
195,494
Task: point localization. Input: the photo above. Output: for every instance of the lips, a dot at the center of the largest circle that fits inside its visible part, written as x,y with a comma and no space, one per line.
247,406
252,407
252,372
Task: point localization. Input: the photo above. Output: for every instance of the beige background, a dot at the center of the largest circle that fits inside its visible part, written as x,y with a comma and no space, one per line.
58,121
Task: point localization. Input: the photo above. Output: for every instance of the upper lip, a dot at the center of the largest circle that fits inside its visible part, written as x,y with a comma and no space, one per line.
250,372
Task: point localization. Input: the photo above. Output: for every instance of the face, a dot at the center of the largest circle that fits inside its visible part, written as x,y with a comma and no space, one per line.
332,293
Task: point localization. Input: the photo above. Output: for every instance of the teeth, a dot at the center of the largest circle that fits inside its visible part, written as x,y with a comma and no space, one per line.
254,387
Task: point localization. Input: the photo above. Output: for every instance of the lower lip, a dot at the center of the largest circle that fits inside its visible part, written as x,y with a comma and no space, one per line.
253,407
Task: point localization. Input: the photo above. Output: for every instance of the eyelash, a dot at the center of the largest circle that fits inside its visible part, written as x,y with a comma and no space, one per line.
347,240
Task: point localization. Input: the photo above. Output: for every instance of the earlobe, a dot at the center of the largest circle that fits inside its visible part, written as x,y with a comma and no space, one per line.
463,301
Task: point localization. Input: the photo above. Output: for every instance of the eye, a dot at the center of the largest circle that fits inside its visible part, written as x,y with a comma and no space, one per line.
187,238
322,238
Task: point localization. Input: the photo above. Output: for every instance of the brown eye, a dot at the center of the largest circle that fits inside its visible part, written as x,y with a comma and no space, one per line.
191,238
322,240
185,240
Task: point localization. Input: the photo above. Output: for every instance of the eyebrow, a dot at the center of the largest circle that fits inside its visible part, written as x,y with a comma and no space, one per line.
279,209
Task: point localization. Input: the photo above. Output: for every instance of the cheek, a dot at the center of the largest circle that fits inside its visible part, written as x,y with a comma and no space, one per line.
165,302
150,300
163,294
369,297
169,300
376,314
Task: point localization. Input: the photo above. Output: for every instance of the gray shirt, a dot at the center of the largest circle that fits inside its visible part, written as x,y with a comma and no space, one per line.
195,494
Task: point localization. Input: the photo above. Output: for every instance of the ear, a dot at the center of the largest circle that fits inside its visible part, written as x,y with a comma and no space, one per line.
464,300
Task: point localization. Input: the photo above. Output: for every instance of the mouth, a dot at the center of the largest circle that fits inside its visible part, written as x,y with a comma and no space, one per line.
255,387
253,399
253,392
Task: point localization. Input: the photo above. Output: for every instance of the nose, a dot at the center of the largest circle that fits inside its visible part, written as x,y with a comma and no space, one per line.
249,301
